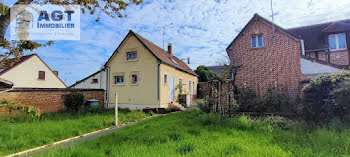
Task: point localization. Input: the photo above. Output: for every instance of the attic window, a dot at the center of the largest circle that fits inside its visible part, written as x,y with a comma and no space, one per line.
41,75
94,81
131,56
172,59
257,41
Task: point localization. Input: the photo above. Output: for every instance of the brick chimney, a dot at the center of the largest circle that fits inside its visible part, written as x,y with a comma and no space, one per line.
170,48
55,72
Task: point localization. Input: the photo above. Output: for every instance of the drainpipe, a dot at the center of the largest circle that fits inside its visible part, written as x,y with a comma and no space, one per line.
107,86
158,80
302,47
101,78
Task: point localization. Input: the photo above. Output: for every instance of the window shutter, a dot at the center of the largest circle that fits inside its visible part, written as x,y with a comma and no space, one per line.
41,75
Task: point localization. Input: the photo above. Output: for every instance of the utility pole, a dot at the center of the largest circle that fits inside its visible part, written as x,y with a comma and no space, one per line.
163,27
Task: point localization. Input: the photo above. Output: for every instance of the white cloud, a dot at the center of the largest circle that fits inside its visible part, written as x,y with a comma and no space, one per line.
201,29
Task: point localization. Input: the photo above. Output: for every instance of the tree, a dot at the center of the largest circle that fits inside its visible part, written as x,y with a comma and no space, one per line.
14,49
205,74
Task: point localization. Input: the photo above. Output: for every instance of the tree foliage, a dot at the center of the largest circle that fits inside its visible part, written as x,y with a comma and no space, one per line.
205,74
14,49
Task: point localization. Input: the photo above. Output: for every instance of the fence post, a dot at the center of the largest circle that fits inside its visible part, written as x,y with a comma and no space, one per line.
116,109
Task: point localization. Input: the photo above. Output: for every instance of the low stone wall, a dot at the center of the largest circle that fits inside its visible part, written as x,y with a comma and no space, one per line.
50,99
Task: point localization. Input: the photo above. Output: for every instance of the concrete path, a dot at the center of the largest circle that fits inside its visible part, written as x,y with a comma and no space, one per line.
74,140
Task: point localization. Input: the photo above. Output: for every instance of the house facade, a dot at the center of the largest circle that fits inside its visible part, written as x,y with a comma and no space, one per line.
31,72
96,80
144,75
326,42
271,57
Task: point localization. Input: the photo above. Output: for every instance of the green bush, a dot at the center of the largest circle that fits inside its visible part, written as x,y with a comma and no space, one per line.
204,107
278,122
272,101
326,98
74,101
20,112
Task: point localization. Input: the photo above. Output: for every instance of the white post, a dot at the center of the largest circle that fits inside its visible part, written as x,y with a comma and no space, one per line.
116,109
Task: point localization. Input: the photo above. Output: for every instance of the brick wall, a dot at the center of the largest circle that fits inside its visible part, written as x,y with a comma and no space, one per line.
339,57
278,61
49,99
322,55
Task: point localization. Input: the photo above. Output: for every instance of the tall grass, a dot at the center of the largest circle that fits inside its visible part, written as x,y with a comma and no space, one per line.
18,136
197,134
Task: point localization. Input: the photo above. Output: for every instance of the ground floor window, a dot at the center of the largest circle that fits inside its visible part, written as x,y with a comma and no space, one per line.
134,79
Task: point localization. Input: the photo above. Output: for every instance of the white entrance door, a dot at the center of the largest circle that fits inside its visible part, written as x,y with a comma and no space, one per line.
171,88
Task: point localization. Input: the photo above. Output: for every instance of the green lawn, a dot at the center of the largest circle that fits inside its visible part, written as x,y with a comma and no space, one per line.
18,136
194,133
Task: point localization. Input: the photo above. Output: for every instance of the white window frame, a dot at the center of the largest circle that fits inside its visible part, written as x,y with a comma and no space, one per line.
190,87
119,83
337,42
127,56
257,41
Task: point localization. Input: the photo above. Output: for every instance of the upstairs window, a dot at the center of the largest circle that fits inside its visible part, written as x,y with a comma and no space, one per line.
131,56
119,80
134,79
94,81
257,41
337,41
41,75
165,79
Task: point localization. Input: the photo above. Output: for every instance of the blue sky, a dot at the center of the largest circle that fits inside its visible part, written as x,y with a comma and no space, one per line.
201,29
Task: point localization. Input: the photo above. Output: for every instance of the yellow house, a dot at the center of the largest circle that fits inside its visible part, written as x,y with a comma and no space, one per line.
31,72
144,75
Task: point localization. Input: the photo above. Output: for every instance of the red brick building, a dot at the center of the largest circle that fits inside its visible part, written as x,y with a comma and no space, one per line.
271,57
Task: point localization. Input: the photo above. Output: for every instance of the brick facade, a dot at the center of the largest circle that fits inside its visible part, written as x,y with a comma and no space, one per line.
50,99
335,57
277,62
339,57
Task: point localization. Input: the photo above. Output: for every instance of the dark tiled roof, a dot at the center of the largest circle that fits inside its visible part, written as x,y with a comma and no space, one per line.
160,54
216,69
314,35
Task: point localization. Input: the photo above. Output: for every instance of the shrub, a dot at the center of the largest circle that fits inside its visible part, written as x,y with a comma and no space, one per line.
74,101
272,101
23,112
327,97
278,122
204,107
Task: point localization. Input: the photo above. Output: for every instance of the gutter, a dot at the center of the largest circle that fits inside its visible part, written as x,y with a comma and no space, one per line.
8,90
